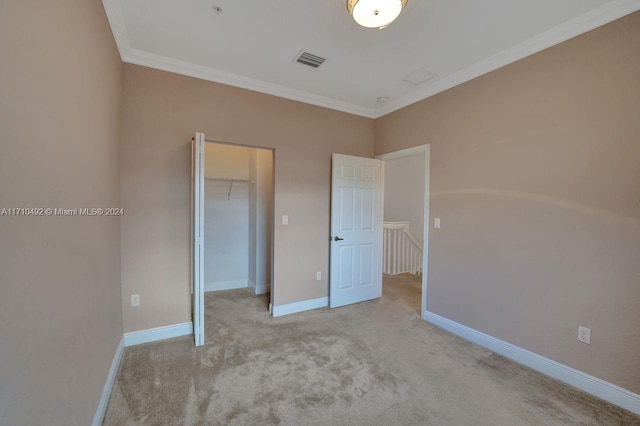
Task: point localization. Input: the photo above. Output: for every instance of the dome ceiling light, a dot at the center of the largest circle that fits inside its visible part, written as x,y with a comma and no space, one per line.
375,13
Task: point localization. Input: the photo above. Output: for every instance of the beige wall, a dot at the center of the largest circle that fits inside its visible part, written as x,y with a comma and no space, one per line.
60,316
535,175
162,111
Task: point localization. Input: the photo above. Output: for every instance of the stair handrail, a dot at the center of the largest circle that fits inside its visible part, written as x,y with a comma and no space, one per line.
404,225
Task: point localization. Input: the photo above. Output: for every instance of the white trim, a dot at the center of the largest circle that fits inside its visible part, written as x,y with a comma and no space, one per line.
101,410
409,152
395,225
158,333
198,168
226,285
595,18
113,9
583,381
305,305
164,63
262,289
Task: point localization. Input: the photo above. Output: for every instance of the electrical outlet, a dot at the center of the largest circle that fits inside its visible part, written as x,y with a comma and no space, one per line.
135,300
318,276
584,335
285,219
436,222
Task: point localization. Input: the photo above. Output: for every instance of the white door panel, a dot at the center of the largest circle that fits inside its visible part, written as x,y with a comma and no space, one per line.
356,230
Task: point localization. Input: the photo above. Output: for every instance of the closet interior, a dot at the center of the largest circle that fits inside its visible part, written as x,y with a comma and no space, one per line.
238,218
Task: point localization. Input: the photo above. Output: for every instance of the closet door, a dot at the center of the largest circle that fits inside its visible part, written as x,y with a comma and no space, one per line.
197,168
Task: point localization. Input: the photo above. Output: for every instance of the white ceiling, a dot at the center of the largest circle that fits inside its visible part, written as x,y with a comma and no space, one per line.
253,43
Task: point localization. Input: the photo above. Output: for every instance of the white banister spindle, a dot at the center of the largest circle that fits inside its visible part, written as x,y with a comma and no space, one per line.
402,253
407,253
387,250
394,249
401,250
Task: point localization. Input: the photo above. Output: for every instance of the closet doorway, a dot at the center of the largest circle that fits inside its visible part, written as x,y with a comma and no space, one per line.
235,215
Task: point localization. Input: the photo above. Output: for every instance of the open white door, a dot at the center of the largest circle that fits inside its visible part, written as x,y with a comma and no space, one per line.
356,230
198,238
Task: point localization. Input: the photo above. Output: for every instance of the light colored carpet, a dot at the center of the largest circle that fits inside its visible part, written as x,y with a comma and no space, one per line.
374,363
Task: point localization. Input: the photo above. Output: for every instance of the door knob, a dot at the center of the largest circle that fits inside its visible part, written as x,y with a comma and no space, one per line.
337,239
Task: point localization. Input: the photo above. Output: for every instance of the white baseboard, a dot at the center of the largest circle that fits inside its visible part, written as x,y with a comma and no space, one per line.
261,289
98,417
226,285
130,339
160,333
305,305
583,381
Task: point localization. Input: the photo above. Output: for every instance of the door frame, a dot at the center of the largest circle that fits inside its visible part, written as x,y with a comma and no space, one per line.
198,299
197,236
426,151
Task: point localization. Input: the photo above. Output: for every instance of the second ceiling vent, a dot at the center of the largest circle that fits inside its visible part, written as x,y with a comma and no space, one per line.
310,59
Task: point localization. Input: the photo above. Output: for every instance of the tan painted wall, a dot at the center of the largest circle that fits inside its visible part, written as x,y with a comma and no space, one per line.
60,309
161,113
535,174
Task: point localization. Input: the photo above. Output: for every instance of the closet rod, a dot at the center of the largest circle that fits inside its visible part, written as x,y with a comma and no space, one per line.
232,181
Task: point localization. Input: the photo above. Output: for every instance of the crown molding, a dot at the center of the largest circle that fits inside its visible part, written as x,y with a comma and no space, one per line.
115,16
152,60
595,18
574,27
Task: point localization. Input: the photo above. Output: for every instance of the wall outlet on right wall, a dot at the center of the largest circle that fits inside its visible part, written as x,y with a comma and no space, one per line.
584,334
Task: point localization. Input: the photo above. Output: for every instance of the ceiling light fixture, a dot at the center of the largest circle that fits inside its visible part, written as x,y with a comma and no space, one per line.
375,13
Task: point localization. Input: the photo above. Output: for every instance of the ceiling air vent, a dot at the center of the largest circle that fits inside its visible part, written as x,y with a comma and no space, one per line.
418,77
307,58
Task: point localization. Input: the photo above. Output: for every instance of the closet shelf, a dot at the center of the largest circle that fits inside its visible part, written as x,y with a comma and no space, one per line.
230,180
